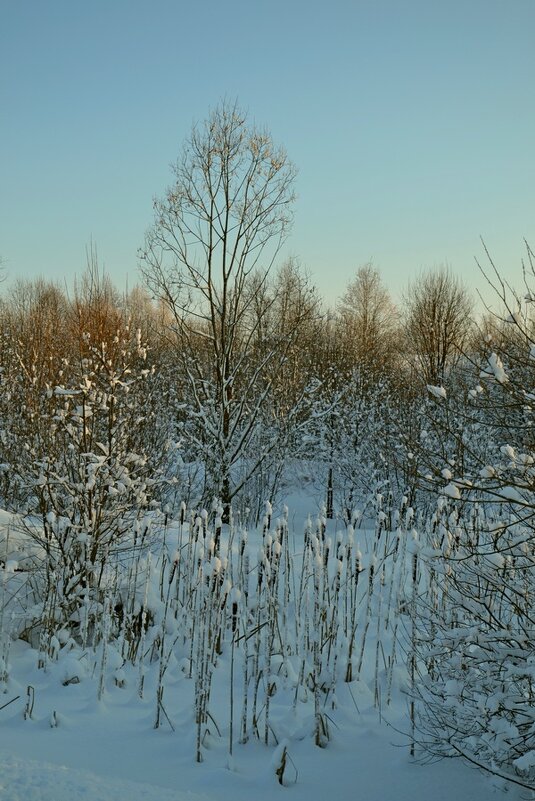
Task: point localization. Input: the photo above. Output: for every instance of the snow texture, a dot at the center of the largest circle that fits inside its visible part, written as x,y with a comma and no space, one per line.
28,780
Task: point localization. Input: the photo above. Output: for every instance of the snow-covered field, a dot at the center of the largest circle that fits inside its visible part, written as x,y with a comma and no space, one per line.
60,742
101,760
111,751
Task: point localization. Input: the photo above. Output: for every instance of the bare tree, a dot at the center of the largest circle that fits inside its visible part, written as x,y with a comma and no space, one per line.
296,308
216,233
368,322
438,322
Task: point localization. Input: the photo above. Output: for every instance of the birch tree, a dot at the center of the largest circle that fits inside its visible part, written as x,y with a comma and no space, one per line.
216,235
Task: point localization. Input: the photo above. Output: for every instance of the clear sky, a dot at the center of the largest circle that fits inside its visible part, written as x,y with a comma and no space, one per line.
412,124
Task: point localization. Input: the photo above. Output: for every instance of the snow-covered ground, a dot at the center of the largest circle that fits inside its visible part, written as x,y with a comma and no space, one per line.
28,780
73,746
111,751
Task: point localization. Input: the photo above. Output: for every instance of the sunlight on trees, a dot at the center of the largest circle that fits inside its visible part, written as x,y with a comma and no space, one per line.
148,443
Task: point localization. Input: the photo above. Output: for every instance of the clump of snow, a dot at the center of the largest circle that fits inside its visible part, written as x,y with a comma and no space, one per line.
508,451
438,392
451,491
494,370
525,762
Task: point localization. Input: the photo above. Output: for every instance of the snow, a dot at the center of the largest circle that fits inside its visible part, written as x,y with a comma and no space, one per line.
451,491
526,761
508,451
111,753
438,392
494,370
516,318
76,747
512,494
29,780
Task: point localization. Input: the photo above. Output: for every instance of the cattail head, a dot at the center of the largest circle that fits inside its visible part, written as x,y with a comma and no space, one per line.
216,565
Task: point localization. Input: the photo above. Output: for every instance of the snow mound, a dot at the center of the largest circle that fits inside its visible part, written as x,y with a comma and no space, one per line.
22,780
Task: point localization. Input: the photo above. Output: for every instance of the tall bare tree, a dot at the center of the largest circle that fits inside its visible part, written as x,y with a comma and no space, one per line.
438,322
368,322
217,232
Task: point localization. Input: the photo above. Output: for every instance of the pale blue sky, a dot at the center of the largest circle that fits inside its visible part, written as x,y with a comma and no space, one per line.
412,125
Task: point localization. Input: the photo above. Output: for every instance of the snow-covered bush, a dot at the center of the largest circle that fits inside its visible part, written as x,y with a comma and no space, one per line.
92,476
353,443
475,616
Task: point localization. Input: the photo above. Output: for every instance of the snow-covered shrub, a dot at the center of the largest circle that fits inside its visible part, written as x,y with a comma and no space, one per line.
92,478
352,438
476,618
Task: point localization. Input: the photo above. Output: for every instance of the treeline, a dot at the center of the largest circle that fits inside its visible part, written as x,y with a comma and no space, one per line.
292,375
